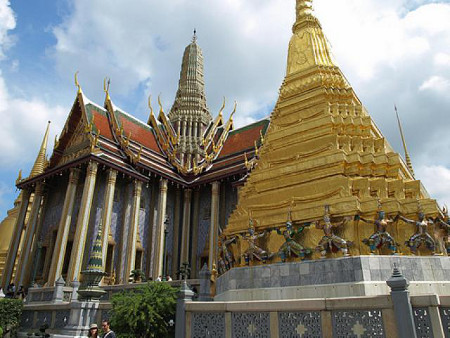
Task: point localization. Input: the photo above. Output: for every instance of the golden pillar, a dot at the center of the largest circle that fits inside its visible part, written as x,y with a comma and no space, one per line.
159,252
24,266
79,243
186,226
15,241
214,227
107,212
133,231
59,250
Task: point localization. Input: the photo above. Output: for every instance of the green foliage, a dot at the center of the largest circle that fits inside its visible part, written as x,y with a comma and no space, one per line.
10,313
137,275
1,332
145,311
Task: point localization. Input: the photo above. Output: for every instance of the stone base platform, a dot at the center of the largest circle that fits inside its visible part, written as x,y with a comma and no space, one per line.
329,278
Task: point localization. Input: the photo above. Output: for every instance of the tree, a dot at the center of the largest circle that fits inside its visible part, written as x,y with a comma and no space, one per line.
144,312
10,314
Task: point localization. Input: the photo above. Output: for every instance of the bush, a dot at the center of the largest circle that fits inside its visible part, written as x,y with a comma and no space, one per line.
10,313
145,311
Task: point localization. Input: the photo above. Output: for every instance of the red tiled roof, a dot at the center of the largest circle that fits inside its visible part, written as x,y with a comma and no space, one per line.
140,133
100,121
244,138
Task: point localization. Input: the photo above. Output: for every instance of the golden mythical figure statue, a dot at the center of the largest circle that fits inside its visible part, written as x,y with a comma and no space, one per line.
330,241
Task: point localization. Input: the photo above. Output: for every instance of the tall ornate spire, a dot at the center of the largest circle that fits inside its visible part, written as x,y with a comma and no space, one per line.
407,158
41,161
189,114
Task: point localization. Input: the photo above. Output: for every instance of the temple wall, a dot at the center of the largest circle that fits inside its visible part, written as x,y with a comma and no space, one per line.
170,212
53,207
204,223
230,203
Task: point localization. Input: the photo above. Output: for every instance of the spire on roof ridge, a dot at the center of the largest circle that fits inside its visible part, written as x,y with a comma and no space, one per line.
40,163
194,37
407,158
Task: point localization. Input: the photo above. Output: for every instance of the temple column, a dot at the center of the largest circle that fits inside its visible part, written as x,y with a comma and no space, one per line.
159,252
186,226
134,227
23,267
59,250
15,240
214,227
107,212
79,243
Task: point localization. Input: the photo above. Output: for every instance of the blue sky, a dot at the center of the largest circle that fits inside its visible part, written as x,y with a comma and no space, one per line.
390,50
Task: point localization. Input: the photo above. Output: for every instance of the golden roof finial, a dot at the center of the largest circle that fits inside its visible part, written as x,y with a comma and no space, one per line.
194,37
234,109
77,84
407,158
106,87
40,163
151,109
223,107
261,136
161,110
256,149
19,177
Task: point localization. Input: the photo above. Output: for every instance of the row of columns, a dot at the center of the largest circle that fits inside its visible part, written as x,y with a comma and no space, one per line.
29,241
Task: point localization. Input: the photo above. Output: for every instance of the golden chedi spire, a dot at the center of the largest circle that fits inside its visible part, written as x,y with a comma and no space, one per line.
407,157
41,160
322,148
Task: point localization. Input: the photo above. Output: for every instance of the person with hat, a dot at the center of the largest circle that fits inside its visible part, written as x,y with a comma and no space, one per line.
93,331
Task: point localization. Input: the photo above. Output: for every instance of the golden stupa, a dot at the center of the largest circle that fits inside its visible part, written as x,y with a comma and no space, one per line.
323,154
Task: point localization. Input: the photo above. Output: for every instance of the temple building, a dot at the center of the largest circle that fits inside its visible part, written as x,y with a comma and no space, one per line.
162,189
165,191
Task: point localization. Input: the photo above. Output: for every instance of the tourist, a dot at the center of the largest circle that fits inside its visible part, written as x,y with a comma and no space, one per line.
168,278
10,290
108,333
159,279
93,331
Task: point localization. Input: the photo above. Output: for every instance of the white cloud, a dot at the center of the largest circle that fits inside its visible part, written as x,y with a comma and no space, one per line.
436,83
436,179
23,126
7,23
442,59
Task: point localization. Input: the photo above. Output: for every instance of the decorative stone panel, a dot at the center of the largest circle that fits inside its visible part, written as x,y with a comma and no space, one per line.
44,317
299,324
250,325
422,322
358,324
62,318
27,320
208,325
47,296
445,317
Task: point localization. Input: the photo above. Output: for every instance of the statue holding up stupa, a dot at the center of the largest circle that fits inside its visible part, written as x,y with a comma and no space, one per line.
255,251
421,236
291,246
330,241
445,225
380,238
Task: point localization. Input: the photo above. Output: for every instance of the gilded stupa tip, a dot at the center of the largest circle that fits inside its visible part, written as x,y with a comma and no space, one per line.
407,157
41,161
304,15
194,37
